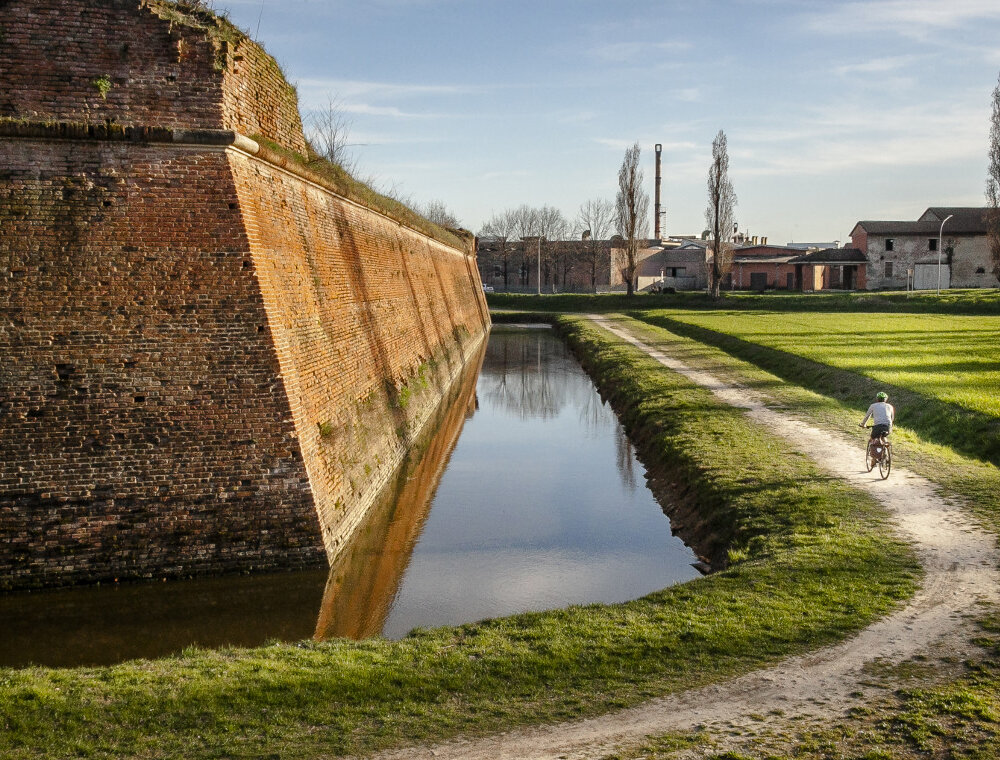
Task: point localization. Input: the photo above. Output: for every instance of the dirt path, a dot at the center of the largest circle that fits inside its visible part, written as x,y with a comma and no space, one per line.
960,561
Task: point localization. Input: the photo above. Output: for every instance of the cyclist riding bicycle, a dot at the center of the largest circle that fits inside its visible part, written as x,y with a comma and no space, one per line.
882,415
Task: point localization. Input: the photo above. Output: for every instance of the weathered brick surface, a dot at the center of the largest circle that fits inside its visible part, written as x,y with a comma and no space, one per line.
371,320
210,362
164,67
143,426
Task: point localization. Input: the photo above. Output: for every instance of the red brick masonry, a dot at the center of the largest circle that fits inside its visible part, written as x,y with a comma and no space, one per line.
210,361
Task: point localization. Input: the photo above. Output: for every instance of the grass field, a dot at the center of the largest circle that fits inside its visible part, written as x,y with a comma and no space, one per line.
950,358
812,561
942,372
949,302
925,713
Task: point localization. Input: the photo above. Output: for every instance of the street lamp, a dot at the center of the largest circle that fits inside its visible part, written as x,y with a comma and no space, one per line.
940,246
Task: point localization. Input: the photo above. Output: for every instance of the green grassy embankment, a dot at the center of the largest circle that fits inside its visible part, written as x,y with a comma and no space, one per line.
923,714
812,561
917,302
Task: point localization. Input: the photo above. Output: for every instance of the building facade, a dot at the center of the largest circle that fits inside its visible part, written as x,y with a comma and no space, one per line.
901,254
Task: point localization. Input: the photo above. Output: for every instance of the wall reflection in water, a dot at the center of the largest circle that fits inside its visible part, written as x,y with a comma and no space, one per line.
365,578
541,505
525,494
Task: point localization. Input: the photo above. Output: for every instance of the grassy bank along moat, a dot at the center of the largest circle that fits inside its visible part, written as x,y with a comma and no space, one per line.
810,560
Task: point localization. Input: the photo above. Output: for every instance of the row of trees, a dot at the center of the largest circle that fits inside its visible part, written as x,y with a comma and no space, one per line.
329,131
545,226
627,217
596,220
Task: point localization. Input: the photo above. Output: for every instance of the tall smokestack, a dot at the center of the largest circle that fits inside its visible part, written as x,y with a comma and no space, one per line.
656,217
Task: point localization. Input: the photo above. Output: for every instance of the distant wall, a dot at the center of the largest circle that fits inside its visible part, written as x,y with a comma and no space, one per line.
212,361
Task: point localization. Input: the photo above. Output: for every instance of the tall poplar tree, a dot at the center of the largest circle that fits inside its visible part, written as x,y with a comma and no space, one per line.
631,215
993,185
719,214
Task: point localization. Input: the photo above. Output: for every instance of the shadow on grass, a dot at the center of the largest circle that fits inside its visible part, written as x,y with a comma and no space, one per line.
972,433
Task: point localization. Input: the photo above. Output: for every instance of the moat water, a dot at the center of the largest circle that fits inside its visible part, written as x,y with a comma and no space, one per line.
527,496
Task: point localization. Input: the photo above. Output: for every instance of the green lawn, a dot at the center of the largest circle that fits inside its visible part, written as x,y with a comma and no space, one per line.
978,301
942,372
951,358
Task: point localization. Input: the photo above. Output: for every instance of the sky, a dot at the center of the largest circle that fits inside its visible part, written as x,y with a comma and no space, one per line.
834,112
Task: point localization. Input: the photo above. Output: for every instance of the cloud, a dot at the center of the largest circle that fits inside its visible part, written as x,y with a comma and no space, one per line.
515,173
876,65
687,94
834,140
624,52
614,143
353,88
569,116
911,18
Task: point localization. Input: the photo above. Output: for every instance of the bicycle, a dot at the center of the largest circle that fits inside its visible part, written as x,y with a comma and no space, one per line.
878,452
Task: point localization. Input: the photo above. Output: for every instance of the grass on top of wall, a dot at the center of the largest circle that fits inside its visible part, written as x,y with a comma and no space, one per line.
812,560
972,301
341,182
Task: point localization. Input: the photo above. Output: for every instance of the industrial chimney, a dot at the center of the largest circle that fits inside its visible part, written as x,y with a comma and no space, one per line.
657,212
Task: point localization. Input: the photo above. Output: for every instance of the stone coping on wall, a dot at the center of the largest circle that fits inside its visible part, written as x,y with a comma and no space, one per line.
220,138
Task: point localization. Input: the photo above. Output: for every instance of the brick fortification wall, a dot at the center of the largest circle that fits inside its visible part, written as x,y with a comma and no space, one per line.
212,362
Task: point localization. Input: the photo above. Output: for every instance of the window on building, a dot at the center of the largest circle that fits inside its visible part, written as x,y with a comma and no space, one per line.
890,244
931,244
497,271
888,269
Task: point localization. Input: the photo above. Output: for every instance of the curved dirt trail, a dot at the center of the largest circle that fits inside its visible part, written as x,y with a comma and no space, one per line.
960,561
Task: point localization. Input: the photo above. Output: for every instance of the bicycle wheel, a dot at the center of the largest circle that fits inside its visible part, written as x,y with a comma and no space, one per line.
885,463
869,457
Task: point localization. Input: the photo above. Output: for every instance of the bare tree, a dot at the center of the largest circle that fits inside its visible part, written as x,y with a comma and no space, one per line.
439,213
719,214
993,184
631,215
329,131
526,227
595,219
550,225
500,229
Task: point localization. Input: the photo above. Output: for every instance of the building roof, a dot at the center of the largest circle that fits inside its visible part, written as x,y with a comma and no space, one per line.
965,220
832,256
739,258
812,246
962,217
900,227
765,250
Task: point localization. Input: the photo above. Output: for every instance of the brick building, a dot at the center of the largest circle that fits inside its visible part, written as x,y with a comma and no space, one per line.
899,254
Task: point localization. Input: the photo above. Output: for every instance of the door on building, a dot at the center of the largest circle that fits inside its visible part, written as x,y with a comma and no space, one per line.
789,281
758,280
925,276
848,278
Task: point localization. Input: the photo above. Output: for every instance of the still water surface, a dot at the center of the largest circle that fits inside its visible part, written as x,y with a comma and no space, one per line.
527,496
